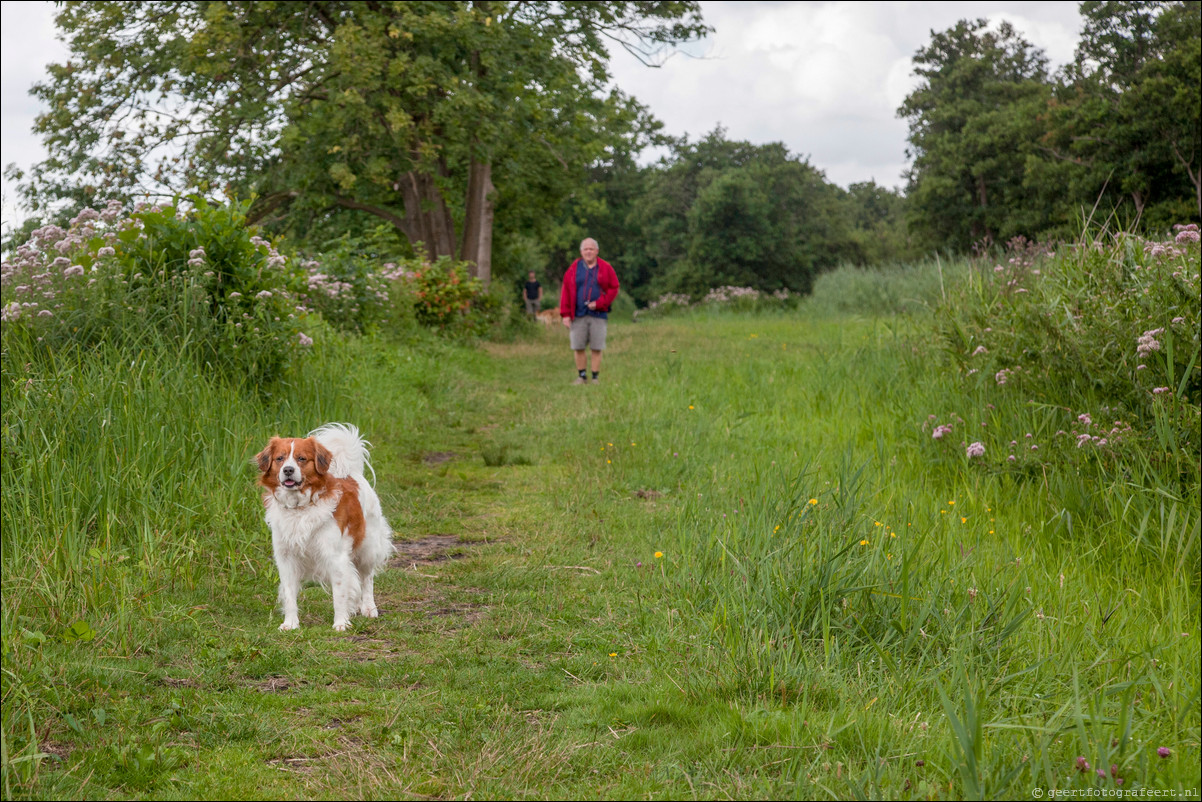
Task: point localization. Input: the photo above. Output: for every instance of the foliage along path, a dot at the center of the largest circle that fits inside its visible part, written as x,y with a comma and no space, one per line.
534,642
511,656
507,659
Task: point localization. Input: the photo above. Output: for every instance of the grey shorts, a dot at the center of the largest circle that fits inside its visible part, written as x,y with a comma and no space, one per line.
531,305
588,332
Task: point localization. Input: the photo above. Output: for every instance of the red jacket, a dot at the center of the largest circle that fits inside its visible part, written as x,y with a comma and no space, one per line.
607,279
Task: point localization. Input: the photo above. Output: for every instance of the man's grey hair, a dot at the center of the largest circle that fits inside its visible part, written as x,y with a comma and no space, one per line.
589,239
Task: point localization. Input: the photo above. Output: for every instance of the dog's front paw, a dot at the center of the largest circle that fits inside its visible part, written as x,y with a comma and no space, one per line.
342,626
370,612
288,625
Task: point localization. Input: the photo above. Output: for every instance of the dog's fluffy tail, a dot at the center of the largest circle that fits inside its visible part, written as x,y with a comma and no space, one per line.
348,450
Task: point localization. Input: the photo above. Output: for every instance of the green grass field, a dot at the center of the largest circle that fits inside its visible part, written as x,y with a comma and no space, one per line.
738,567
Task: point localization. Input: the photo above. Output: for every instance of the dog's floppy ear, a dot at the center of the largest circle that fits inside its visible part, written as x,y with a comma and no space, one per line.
264,456
322,462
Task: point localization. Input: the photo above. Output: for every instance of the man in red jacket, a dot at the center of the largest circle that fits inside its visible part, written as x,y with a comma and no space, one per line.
589,288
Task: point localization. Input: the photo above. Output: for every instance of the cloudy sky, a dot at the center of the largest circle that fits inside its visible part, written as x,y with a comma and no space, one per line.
825,78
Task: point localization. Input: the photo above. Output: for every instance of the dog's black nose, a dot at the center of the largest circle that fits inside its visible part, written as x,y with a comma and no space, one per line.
288,470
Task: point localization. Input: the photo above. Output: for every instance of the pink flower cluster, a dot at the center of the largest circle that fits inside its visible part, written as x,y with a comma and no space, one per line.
274,258
670,299
1147,342
1099,436
727,294
43,266
1187,233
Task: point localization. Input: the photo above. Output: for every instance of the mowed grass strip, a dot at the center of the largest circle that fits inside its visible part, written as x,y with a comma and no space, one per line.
736,567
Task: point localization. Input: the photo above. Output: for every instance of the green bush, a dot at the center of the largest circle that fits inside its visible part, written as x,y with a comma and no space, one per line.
199,277
446,297
352,282
1101,337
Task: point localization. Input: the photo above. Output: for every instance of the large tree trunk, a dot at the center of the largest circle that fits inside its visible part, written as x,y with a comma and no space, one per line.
478,211
478,219
427,218
1140,202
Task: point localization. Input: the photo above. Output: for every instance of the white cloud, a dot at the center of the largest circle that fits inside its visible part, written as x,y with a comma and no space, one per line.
27,45
825,78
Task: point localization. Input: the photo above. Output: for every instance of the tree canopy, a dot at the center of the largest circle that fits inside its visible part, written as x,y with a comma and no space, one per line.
1001,148
449,120
413,112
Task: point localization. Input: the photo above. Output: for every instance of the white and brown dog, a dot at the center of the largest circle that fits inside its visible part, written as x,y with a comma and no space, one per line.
326,522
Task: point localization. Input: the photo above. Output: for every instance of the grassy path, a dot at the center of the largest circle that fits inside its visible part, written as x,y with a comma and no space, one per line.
533,645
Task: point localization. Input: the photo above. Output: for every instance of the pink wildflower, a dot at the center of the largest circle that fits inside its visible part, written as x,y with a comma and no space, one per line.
975,450
1147,342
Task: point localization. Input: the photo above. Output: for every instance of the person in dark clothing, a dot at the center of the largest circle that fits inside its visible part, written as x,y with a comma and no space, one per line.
532,294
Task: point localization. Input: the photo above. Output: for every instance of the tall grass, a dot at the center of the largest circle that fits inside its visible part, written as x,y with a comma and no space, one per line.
741,565
850,568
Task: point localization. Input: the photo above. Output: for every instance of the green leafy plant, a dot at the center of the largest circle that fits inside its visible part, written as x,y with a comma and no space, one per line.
199,276
448,298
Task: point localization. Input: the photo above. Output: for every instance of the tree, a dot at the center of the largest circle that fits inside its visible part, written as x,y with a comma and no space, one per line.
1126,112
414,112
721,212
972,119
877,218
1171,92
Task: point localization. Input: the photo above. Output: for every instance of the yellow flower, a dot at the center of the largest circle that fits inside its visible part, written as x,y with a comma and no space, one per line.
613,654
777,529
863,542
963,520
951,502
893,534
658,554
634,444
813,501
609,462
876,523
690,406
943,512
